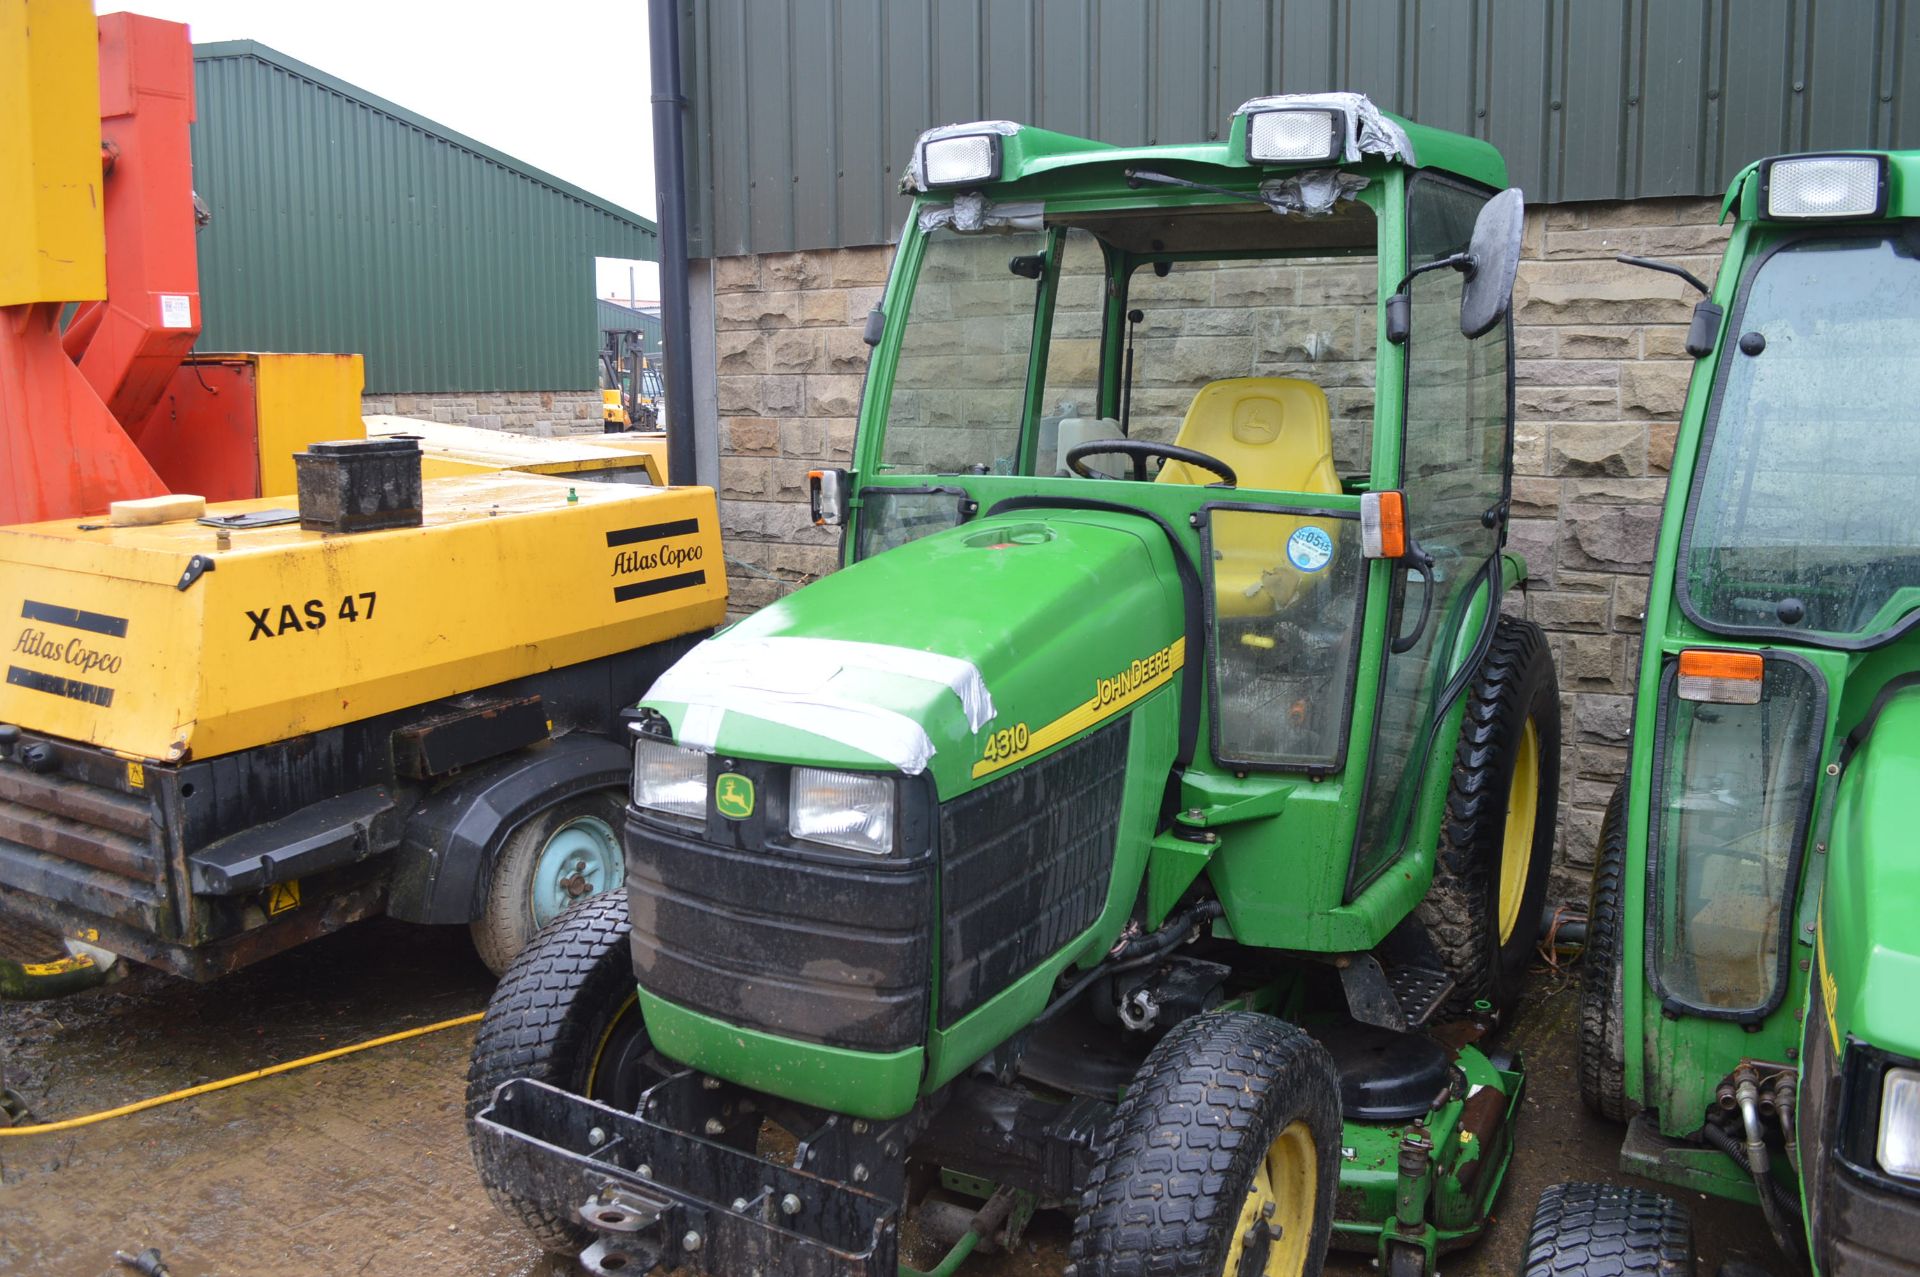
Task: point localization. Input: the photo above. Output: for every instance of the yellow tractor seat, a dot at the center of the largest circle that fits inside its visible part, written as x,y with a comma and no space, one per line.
1277,434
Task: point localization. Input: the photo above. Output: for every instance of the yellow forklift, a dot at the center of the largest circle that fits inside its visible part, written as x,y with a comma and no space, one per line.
263,677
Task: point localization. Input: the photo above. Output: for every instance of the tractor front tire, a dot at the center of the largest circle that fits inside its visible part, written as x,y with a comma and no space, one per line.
1228,1141
1604,1230
565,1014
1602,1059
1490,876
565,853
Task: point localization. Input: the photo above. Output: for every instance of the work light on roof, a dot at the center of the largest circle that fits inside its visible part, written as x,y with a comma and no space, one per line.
1824,186
1296,136
956,161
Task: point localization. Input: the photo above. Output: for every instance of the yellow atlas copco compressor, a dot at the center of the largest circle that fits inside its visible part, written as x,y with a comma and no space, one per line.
229,727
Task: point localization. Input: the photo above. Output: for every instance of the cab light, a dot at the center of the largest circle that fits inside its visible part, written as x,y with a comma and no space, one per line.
1899,1144
851,810
670,781
954,161
1383,525
1724,678
1824,186
1296,137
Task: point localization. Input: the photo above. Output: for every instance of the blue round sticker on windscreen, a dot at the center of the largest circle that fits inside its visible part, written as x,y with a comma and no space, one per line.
1310,549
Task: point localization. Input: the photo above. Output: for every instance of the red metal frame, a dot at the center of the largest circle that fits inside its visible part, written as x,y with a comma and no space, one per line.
75,407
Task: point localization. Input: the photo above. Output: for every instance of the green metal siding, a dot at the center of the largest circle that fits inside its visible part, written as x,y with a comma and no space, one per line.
804,111
615,318
342,222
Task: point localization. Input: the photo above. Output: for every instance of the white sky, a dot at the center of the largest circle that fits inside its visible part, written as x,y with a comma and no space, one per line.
560,84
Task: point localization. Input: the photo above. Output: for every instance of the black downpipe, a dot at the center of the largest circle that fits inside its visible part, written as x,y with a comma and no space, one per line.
670,178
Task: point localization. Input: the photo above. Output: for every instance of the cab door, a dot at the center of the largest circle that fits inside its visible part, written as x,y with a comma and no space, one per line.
1457,432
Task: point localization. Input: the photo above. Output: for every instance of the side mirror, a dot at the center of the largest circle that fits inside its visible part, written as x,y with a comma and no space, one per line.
827,497
1494,262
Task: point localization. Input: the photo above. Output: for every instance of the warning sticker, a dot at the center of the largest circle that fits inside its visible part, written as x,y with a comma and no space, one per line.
282,896
176,310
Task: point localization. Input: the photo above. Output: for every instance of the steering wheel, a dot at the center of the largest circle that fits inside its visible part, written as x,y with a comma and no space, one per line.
1141,451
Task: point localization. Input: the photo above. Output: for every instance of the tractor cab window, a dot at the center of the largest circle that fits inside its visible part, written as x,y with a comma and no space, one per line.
1298,331
960,383
1802,515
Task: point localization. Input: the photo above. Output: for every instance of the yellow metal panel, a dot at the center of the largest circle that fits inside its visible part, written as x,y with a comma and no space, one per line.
53,245
297,631
300,400
504,450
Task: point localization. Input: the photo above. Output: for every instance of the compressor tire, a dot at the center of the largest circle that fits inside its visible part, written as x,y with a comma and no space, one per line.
1226,1105
522,890
1603,1230
1515,689
1602,1063
564,1014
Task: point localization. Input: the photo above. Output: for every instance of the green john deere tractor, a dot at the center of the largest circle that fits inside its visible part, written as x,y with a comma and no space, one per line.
1750,997
1152,813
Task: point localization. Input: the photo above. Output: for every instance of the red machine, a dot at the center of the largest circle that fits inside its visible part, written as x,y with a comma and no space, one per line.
110,407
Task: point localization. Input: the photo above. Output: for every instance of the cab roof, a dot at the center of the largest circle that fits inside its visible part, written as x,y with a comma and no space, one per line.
1026,152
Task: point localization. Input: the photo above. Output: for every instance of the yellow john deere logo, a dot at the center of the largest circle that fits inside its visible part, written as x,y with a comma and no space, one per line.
733,796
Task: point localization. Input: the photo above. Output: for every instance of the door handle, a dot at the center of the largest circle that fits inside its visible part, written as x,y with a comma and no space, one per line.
1417,560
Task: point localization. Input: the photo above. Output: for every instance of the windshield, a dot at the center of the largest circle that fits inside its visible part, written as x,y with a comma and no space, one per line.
1020,344
1802,514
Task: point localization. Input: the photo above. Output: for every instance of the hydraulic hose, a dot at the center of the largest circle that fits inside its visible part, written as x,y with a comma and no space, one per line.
141,1106
1776,1203
1154,947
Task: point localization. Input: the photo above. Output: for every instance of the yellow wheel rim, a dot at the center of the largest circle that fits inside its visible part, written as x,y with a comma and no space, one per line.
1516,849
1281,1201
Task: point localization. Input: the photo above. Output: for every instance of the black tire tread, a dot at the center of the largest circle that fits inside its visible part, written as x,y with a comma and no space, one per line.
1605,1230
1474,825
1601,1062
1170,1168
542,1021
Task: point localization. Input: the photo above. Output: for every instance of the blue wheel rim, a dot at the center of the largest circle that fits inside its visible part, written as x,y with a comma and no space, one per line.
581,858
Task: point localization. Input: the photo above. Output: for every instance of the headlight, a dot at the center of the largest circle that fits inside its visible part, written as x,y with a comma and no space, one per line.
1899,1145
950,161
853,810
1826,186
671,781
1291,137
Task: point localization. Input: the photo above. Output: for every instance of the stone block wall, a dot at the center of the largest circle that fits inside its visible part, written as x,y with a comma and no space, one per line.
526,412
1601,378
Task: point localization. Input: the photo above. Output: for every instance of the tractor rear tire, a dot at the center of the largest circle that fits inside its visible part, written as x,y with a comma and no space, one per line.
1604,1230
1489,889
576,841
1229,1134
1602,1060
565,1014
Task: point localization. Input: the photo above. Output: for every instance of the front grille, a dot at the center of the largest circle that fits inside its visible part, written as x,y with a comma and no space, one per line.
77,835
1024,865
807,947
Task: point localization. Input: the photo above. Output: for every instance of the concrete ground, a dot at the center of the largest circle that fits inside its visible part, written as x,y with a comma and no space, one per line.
359,1166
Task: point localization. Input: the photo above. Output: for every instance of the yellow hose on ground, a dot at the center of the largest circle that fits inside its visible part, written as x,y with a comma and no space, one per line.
140,1106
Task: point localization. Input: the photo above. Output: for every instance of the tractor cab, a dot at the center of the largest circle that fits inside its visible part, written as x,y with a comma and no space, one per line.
1751,961
1161,718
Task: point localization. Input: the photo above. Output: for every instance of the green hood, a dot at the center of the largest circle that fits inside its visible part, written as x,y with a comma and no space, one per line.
1061,619
1869,951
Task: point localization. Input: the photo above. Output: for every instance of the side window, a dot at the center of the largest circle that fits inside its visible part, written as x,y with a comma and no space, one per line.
1453,468
1733,789
1456,418
959,386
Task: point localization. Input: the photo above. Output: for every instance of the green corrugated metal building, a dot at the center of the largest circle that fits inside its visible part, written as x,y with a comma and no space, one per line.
342,222
617,317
